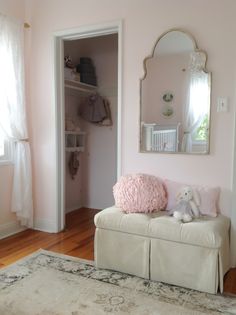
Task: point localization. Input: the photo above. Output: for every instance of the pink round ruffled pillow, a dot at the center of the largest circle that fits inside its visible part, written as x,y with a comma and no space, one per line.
139,193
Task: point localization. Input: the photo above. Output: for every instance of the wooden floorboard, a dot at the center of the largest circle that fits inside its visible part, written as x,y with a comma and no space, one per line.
76,240
230,281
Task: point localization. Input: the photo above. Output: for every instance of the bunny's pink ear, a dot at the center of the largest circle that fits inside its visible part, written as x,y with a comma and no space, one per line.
196,197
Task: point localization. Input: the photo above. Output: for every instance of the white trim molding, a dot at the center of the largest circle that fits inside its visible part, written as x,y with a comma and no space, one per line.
91,30
49,226
10,228
233,209
113,27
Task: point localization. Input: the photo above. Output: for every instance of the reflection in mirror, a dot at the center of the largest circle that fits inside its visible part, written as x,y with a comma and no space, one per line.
175,97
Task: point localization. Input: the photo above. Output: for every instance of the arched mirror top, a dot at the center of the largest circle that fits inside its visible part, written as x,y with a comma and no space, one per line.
175,86
174,41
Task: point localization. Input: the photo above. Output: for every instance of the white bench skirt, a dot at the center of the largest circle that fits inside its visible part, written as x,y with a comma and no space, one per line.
154,246
122,252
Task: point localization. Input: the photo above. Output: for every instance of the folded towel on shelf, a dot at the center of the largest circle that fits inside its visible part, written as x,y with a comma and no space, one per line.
77,77
69,74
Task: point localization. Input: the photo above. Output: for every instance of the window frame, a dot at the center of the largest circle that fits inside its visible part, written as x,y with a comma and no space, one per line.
7,158
201,141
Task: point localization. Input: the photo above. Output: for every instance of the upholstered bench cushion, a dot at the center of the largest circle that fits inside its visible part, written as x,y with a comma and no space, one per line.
206,232
133,223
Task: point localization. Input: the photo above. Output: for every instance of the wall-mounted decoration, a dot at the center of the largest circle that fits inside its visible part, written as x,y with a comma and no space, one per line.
167,111
168,97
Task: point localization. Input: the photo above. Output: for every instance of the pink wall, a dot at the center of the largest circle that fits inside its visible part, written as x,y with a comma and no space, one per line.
13,8
143,22
6,216
165,73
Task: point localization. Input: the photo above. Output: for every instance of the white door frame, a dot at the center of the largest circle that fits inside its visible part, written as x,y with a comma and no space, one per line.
233,207
114,27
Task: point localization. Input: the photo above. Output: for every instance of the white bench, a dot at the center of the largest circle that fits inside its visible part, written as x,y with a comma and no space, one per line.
157,247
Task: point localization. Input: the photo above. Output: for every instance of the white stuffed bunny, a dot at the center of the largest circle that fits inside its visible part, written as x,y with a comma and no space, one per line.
187,206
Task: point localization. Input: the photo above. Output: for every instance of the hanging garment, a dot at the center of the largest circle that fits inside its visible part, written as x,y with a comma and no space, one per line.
92,109
73,164
108,120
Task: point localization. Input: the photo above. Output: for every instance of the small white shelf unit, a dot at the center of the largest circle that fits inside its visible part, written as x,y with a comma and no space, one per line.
74,141
80,86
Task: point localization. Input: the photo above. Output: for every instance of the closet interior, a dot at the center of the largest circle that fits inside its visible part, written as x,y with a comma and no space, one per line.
90,73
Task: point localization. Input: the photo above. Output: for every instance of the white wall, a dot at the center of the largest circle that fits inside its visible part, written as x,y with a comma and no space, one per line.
92,187
8,223
210,22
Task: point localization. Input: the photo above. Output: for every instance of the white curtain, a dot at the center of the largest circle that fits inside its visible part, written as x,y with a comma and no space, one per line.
13,115
198,99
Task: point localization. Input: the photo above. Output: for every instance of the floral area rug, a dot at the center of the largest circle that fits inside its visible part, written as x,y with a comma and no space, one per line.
47,283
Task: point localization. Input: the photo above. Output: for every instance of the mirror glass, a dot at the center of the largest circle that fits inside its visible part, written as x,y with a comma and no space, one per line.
175,97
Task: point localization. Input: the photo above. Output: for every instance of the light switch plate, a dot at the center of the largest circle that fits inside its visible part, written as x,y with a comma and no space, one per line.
222,104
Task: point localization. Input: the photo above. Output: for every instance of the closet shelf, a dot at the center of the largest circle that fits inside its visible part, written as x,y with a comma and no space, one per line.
75,149
75,132
80,86
74,141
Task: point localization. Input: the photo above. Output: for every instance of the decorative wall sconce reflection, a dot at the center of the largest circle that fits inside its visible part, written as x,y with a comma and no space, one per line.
167,111
168,97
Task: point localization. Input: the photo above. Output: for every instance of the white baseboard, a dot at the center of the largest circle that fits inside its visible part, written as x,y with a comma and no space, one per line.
10,228
45,225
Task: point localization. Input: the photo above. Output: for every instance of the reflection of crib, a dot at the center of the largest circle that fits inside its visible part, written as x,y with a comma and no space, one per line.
161,138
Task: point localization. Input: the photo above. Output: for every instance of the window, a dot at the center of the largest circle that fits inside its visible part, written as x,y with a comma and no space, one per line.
201,133
5,149
2,149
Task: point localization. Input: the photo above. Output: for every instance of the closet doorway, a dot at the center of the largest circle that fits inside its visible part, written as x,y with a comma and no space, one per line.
88,118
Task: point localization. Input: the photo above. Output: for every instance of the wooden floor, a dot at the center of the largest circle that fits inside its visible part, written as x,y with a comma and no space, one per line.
77,240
